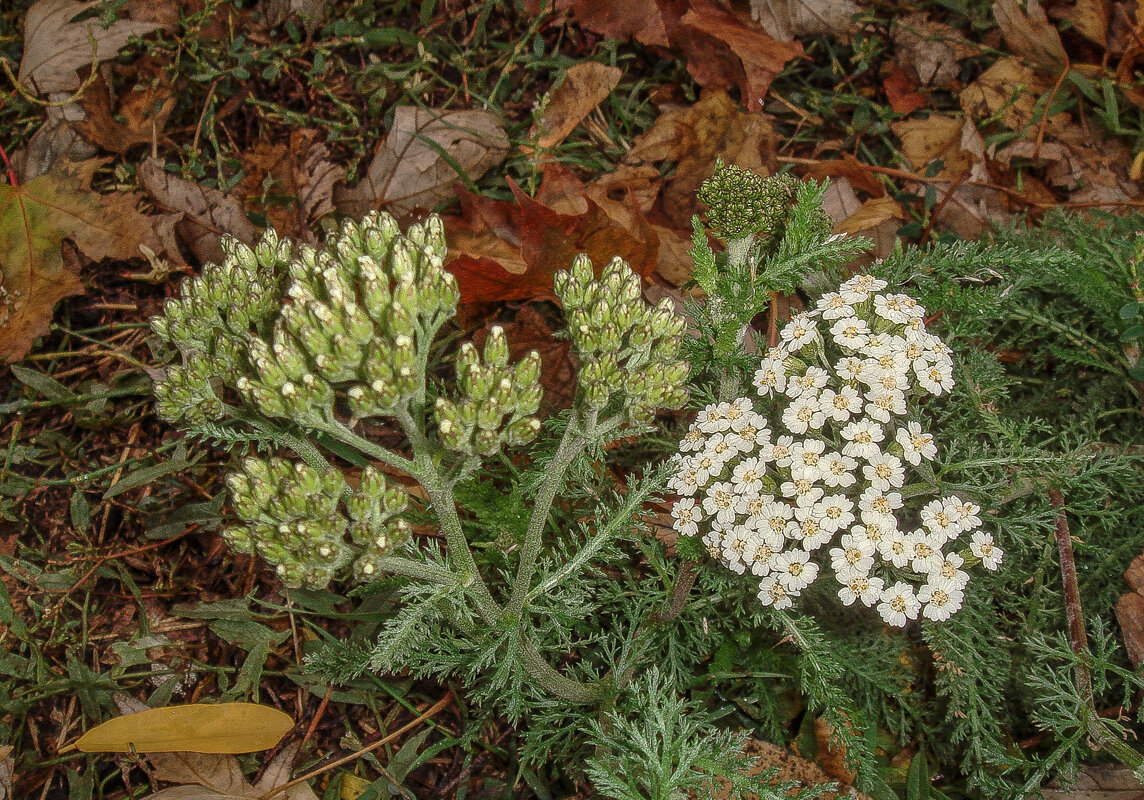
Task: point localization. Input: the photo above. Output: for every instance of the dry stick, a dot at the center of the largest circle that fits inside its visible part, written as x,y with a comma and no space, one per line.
1101,736
367,749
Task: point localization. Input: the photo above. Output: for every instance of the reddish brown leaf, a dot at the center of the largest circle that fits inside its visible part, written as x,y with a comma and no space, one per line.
139,115
709,32
511,251
641,19
902,94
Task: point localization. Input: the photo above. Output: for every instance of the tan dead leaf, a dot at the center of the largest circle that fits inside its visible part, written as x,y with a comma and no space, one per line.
877,219
692,136
310,12
1090,18
137,116
840,202
7,772
408,168
723,50
35,219
1010,90
297,178
1091,174
786,20
56,139
639,19
1030,34
55,47
1097,782
929,50
195,727
207,213
934,138
585,86
219,777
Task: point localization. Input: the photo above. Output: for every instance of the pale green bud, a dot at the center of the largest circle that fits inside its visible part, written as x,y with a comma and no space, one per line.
522,431
487,442
527,370
489,413
496,347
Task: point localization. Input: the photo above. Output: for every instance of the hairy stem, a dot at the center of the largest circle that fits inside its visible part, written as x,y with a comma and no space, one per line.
544,674
571,445
1101,736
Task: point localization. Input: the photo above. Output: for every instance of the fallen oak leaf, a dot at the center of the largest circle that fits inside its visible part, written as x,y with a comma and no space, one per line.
35,219
421,157
55,47
536,241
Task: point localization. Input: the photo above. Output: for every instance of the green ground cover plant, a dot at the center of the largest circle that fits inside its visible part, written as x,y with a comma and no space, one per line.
290,354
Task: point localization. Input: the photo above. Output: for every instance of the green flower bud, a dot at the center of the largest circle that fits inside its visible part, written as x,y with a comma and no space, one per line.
496,347
487,442
522,431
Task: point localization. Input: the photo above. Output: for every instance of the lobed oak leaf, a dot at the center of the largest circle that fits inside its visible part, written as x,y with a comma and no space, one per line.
35,219
584,87
503,252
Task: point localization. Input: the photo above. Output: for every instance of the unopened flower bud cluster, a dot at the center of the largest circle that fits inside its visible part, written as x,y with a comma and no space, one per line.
627,349
771,495
299,520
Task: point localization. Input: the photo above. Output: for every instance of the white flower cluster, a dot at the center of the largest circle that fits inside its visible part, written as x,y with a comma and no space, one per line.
770,499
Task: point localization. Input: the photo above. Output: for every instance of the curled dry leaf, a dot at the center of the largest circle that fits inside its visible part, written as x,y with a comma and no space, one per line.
1028,31
137,116
785,20
692,136
207,213
55,47
642,20
411,166
723,50
35,219
1011,91
791,767
929,51
585,86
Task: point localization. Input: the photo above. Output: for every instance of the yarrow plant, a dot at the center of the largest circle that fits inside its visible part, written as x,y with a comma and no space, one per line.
510,553
839,458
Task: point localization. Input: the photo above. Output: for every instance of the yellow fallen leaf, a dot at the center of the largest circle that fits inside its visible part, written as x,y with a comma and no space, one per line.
352,787
199,728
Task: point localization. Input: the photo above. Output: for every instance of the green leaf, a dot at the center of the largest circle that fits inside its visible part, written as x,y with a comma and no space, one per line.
42,384
144,475
1130,310
918,778
1133,333
80,511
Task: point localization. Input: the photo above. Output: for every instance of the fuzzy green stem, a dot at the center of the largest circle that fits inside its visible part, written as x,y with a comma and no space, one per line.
571,445
429,573
544,674
444,503
344,435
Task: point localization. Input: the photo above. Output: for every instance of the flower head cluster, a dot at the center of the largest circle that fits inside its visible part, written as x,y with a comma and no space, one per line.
299,519
829,466
629,350
741,203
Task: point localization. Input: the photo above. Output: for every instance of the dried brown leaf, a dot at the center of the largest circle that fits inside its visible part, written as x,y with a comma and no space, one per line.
408,168
639,19
300,177
35,219
585,86
137,117
207,213
55,47
1097,782
1030,34
929,51
786,20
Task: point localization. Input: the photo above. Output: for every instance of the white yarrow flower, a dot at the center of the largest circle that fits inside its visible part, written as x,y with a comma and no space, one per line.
770,377
861,587
941,598
773,593
916,444
799,332
984,548
795,570
687,515
899,604
862,437
884,472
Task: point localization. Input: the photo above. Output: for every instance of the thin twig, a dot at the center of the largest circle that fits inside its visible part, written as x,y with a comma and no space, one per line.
444,701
